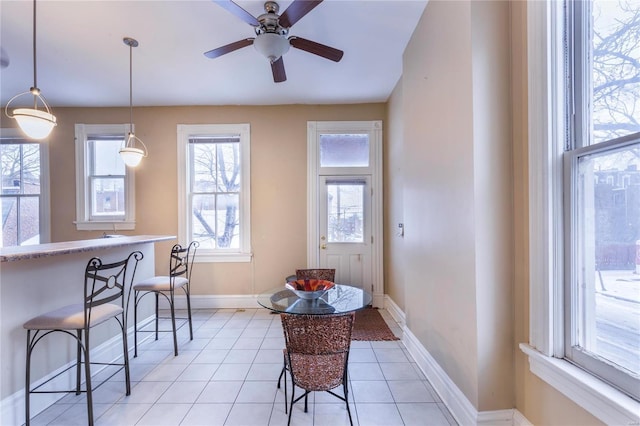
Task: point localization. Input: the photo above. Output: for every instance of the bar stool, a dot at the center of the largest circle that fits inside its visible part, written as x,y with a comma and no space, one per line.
104,299
180,264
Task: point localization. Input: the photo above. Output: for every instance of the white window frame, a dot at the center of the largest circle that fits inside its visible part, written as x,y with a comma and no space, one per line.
83,221
45,182
187,131
546,142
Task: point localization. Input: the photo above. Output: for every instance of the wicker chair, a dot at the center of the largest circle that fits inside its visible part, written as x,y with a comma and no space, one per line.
317,354
307,274
180,264
317,274
106,285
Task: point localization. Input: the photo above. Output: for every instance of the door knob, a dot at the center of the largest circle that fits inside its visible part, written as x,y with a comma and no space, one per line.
323,246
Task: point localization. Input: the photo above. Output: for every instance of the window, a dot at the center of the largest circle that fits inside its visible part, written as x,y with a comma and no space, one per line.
105,187
584,105
213,190
602,296
24,194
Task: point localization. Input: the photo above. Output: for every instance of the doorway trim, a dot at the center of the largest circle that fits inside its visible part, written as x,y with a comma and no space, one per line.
374,129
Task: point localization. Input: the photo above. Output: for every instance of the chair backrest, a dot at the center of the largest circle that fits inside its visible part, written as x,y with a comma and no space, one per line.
108,282
181,260
318,343
317,334
316,274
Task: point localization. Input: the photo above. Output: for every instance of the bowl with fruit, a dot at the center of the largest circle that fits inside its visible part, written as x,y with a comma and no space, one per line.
309,289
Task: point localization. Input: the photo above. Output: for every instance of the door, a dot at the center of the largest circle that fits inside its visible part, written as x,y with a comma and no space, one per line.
344,202
345,228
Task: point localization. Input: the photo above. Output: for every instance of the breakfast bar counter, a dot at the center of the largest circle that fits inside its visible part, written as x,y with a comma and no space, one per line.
39,278
11,254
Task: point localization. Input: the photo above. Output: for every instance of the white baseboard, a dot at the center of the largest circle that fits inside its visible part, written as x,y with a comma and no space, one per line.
460,407
520,420
214,302
12,410
395,311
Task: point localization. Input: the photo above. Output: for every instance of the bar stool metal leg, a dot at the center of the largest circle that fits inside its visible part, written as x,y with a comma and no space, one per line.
78,361
157,316
27,387
135,324
173,324
87,373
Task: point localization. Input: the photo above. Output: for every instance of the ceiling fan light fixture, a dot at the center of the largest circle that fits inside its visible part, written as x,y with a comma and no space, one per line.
272,46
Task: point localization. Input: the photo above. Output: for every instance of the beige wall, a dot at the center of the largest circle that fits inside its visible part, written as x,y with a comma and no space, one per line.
393,201
439,197
463,184
278,183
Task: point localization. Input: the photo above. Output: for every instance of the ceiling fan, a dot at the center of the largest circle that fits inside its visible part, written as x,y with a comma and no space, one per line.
272,38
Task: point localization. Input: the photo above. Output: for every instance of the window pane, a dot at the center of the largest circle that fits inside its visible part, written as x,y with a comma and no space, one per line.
608,247
344,150
228,172
616,68
9,221
204,167
20,168
11,168
215,220
29,220
107,161
345,206
107,196
216,167
228,218
20,171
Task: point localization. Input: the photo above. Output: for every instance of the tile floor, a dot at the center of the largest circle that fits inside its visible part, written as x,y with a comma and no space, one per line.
227,376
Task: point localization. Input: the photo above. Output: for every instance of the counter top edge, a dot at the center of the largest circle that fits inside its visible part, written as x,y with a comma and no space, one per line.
11,254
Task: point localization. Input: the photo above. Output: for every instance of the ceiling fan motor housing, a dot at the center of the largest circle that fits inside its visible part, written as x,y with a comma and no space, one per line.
270,21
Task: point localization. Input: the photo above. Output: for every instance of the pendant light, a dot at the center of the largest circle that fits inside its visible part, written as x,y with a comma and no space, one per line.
129,153
35,123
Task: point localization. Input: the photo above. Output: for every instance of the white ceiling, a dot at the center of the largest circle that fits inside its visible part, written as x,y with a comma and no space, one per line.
82,60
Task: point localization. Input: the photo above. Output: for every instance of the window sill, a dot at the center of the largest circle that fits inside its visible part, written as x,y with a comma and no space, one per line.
223,257
105,226
598,398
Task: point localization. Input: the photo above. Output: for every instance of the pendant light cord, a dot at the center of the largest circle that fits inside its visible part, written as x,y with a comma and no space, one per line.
130,88
35,74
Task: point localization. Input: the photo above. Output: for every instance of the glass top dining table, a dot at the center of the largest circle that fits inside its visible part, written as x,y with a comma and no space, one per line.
340,299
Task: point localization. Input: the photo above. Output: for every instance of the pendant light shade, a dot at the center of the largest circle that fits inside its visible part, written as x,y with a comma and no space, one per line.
129,153
35,123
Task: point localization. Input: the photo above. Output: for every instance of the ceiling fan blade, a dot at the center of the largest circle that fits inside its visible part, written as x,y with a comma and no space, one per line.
296,10
316,48
277,68
229,48
238,11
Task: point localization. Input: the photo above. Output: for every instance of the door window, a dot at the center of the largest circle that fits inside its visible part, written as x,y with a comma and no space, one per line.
344,150
345,212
